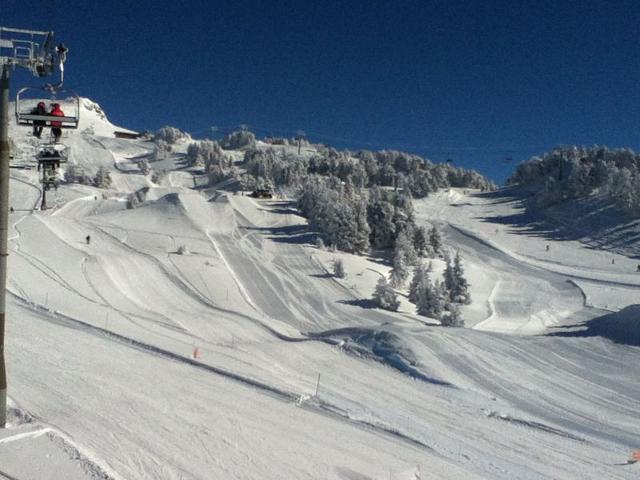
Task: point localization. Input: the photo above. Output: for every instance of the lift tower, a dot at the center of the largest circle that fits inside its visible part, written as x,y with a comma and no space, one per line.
35,51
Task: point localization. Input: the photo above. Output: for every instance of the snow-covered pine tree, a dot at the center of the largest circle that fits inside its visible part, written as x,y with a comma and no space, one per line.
161,150
400,270
430,301
420,242
435,240
405,244
362,232
460,290
415,281
102,178
380,216
338,268
419,273
448,277
385,296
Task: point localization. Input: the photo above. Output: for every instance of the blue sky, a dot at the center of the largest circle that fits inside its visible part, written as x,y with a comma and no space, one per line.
475,81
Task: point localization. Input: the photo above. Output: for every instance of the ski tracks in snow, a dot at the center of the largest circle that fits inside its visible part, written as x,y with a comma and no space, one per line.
294,398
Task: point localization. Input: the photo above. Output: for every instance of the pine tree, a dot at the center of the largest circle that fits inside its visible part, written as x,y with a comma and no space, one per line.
418,273
362,229
385,296
380,216
460,291
102,178
430,301
435,240
449,278
404,244
440,299
399,272
420,242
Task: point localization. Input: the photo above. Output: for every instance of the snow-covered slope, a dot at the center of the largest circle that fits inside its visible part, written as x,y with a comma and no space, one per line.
200,336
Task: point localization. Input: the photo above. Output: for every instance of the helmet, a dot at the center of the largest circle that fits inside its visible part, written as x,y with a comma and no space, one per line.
56,105
41,104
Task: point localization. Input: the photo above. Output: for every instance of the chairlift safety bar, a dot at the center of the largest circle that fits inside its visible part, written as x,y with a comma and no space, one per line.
28,119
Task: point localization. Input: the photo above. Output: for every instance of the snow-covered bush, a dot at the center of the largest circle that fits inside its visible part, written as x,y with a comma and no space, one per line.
143,165
170,135
161,150
238,140
450,317
206,153
102,178
158,175
385,296
338,268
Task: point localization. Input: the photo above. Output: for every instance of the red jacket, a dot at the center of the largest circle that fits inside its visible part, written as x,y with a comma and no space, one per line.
57,112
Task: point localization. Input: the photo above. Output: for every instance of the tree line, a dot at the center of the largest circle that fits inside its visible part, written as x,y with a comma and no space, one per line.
578,172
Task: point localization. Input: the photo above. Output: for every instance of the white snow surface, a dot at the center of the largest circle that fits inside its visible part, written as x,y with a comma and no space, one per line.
202,336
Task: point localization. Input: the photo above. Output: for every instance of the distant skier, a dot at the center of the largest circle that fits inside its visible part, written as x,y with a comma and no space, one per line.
88,239
38,125
56,111
638,269
547,248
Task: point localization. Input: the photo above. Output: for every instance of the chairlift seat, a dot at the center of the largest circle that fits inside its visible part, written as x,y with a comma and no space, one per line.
70,103
49,155
45,160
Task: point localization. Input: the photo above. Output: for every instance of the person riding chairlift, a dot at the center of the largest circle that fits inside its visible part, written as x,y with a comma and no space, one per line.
55,125
38,125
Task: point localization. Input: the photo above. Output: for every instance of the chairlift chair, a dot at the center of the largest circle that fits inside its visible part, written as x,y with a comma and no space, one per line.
52,155
69,103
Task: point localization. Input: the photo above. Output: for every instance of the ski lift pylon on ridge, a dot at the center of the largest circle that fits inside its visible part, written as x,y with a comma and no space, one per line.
69,102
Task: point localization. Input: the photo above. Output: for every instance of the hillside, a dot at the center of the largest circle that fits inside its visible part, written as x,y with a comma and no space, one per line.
201,335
